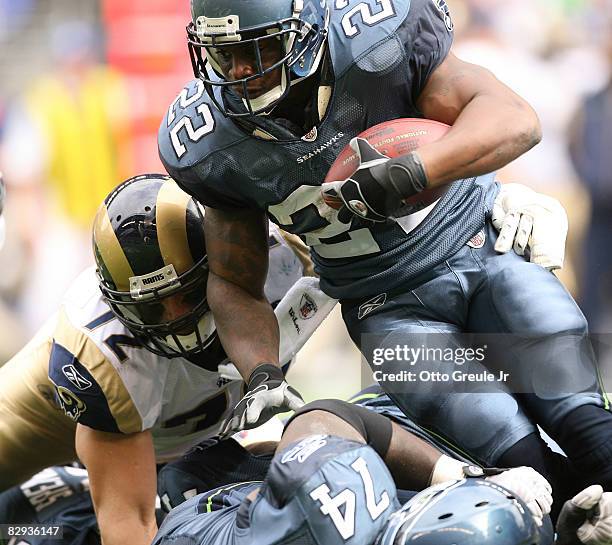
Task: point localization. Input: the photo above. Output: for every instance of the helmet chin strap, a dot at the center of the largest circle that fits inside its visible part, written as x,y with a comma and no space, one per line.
207,330
268,97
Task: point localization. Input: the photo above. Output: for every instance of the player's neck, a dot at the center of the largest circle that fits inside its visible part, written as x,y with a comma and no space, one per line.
296,108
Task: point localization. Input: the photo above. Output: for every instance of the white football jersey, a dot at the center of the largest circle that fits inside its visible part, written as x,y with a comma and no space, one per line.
106,380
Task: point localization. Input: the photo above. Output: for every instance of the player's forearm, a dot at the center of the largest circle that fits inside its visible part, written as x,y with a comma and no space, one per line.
119,528
123,483
410,460
246,325
488,134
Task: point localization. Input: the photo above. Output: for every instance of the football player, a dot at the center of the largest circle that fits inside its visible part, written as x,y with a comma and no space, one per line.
477,511
206,466
56,498
128,370
282,86
333,481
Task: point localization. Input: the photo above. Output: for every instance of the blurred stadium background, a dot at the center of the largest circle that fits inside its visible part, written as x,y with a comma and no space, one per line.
85,84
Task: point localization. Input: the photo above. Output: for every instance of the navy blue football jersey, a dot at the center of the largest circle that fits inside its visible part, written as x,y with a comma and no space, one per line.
57,496
382,53
324,490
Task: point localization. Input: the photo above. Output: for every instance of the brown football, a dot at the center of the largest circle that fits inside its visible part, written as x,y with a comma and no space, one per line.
391,138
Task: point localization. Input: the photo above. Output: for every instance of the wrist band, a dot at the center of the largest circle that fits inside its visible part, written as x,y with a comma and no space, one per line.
406,174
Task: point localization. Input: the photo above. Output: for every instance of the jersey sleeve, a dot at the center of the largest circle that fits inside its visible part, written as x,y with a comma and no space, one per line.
427,34
192,184
191,139
88,387
231,495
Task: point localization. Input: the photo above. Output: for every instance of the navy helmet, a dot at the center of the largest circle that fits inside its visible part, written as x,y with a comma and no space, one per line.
466,512
284,40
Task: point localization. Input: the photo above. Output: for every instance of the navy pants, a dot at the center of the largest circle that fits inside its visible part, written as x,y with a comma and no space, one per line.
481,291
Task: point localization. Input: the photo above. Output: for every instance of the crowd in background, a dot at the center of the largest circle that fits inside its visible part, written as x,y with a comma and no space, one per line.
71,128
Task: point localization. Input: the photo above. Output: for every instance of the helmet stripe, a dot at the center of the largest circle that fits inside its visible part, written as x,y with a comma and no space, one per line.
111,252
171,219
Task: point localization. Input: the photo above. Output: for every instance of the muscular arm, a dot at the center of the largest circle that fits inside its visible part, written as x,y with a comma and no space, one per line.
123,483
237,246
410,460
491,125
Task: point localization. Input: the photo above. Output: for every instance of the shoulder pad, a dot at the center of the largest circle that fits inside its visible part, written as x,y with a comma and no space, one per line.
88,386
356,26
193,129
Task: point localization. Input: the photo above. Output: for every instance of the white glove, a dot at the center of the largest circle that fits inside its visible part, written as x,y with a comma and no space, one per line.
586,518
524,219
529,486
267,394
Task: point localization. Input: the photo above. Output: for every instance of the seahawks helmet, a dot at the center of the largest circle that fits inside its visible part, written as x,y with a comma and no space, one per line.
148,242
467,512
294,29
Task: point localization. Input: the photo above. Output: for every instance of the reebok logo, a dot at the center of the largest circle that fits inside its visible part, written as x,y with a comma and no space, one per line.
75,378
371,305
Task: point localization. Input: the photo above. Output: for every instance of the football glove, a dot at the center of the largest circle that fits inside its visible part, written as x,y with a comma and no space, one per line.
524,219
378,186
586,519
267,394
530,487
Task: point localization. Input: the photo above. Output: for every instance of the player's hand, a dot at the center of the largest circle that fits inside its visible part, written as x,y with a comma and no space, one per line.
267,394
374,191
530,487
524,219
586,519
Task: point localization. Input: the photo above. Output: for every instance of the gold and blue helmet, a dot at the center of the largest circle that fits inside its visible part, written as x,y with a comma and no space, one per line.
148,243
283,40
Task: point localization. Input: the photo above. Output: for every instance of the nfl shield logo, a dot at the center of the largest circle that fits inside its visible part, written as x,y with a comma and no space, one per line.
307,307
478,240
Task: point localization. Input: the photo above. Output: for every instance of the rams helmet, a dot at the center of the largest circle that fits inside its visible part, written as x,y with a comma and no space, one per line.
148,242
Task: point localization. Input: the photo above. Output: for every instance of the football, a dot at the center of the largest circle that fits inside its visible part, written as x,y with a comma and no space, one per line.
391,138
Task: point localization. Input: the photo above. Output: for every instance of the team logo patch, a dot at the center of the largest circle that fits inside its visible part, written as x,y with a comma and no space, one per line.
308,307
478,240
371,304
70,403
442,7
302,451
75,378
311,135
